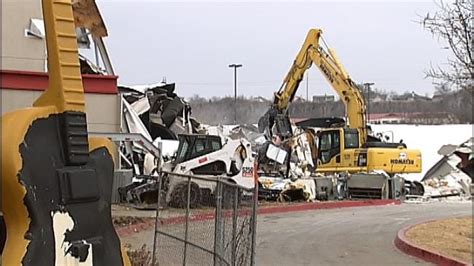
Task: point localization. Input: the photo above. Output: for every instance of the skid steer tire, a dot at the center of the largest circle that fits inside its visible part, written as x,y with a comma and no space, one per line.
179,196
228,197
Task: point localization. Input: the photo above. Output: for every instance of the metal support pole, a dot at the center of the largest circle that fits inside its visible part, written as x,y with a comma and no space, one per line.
307,86
157,216
254,213
368,103
96,54
217,225
234,226
235,66
368,84
187,221
235,95
104,55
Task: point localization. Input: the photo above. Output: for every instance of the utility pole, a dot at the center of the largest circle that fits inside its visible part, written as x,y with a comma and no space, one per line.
307,86
368,84
235,66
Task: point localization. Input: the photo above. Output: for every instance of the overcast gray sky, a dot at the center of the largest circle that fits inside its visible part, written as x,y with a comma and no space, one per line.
193,42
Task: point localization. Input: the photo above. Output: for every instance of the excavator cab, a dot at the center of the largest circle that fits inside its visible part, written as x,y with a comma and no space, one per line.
329,146
330,143
340,150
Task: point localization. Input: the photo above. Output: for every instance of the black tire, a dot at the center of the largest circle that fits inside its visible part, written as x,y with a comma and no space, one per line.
179,195
207,199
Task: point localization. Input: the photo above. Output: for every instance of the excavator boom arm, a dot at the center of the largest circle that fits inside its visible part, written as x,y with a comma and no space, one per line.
347,90
292,80
328,63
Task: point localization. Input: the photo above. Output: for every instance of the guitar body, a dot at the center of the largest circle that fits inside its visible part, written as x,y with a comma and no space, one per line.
56,187
56,212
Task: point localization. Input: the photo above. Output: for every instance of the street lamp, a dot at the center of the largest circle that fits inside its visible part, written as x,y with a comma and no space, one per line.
307,86
368,84
235,66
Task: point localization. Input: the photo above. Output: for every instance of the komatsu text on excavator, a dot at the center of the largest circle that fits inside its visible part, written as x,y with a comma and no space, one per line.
347,148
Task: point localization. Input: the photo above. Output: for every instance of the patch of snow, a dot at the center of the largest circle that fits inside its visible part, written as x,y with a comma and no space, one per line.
428,139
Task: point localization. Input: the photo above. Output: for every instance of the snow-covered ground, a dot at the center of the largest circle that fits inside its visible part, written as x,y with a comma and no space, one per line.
428,139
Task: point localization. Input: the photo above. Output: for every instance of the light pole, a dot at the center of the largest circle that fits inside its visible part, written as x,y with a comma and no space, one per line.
368,84
235,66
307,86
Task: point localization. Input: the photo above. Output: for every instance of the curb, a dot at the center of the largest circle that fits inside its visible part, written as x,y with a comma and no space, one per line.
325,205
426,254
134,228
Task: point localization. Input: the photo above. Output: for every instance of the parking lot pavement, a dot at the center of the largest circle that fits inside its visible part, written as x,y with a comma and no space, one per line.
350,236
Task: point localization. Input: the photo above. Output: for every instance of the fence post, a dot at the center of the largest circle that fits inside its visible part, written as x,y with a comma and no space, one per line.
159,178
218,224
254,213
187,221
234,225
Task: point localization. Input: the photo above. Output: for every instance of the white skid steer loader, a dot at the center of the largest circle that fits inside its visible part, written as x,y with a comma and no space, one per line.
208,155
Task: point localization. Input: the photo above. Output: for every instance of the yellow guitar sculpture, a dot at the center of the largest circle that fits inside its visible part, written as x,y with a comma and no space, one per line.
56,185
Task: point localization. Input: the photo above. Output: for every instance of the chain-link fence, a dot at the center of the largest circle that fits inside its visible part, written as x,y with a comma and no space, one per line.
210,221
200,220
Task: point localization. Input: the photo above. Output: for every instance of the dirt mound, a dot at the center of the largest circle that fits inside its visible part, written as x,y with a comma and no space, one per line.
452,237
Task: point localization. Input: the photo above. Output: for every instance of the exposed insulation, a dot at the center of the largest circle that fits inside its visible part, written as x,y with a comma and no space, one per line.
87,15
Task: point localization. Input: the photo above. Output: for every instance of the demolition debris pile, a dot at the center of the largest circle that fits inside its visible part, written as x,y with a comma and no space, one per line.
452,175
286,166
161,111
165,119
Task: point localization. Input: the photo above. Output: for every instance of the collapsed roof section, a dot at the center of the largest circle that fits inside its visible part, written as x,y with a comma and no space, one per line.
88,20
455,158
452,175
161,111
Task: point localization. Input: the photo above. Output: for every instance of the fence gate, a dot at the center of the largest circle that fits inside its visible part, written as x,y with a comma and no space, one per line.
208,221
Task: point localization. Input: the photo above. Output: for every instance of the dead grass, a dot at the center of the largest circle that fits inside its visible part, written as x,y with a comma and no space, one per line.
139,257
452,237
123,221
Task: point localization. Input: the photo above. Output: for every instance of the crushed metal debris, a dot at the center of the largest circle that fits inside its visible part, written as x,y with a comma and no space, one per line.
451,176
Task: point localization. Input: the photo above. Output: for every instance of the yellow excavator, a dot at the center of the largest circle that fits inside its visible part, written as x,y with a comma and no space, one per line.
347,148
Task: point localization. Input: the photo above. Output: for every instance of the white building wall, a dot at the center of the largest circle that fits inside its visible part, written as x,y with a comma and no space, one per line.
29,54
18,51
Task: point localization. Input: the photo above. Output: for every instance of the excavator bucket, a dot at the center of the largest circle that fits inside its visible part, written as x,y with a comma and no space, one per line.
275,123
266,121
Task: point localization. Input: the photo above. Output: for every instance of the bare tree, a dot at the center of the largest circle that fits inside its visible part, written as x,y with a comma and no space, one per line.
442,89
452,23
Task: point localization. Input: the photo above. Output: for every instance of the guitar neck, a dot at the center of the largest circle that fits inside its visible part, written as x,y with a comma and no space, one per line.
65,90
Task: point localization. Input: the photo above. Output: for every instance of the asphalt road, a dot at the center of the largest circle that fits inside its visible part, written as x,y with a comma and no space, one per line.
352,236
347,236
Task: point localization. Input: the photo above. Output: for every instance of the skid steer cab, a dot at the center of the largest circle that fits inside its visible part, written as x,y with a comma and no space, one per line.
207,156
